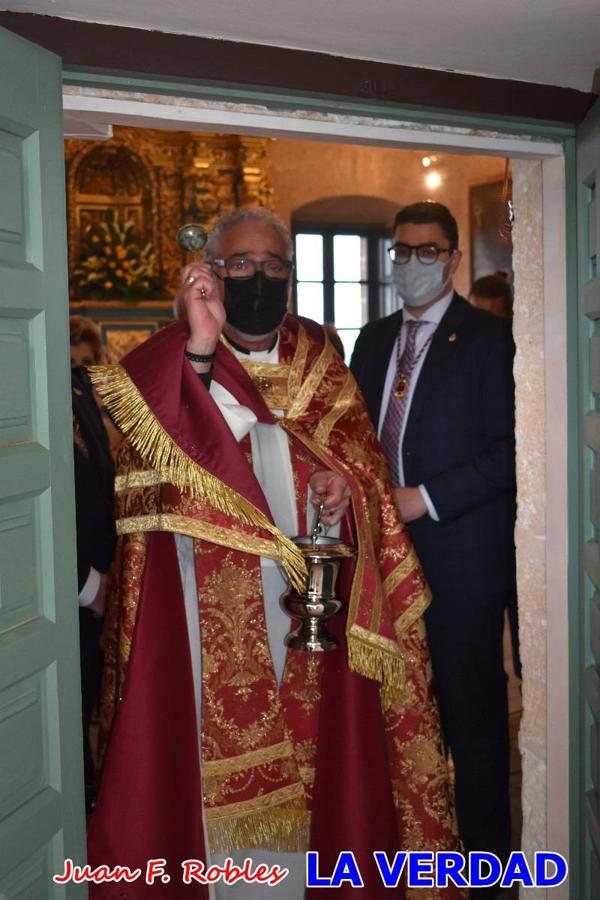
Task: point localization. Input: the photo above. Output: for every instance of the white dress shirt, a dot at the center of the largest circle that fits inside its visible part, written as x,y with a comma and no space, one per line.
88,592
430,321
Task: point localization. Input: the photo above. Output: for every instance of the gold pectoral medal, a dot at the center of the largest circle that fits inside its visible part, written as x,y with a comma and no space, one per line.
401,389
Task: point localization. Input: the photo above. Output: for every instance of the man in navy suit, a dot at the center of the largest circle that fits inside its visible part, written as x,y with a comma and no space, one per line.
437,379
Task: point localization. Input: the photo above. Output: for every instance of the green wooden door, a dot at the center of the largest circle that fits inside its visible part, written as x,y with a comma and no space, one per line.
41,802
586,658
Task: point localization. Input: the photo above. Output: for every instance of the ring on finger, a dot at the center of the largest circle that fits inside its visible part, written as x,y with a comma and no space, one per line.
190,279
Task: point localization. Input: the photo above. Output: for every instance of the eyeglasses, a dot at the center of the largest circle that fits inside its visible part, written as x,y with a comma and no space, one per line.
425,253
243,267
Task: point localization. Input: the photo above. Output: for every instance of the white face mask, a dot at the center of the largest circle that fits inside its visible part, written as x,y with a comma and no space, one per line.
418,284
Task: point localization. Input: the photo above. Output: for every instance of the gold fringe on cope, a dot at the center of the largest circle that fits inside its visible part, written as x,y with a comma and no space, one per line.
279,821
286,832
137,421
377,664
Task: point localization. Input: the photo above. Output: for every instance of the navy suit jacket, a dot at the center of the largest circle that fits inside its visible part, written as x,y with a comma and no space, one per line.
458,442
94,482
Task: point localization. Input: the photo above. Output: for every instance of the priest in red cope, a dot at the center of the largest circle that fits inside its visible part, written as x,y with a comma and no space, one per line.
239,419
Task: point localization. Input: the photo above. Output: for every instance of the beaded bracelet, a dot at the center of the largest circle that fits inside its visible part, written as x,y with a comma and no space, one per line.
199,357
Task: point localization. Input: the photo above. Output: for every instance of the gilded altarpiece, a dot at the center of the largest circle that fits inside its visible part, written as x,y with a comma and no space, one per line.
126,198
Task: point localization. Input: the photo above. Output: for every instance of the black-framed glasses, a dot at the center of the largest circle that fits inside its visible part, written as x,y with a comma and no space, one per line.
425,253
275,268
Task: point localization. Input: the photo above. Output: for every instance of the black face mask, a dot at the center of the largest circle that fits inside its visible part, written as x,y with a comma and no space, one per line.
255,305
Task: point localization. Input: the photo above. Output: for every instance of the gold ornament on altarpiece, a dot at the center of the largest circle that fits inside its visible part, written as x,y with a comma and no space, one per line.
127,198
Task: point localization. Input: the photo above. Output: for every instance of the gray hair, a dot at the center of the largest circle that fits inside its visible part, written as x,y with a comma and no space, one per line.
258,214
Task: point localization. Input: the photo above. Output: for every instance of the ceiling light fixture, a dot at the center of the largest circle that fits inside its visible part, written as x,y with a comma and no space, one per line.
433,180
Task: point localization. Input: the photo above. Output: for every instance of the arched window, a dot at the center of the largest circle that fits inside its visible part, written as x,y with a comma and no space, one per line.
343,272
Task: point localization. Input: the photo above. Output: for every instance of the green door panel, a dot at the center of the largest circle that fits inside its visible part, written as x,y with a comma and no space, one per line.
41,781
586,658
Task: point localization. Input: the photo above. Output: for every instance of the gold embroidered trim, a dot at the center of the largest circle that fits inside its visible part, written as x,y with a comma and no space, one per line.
215,534
139,478
341,405
276,821
301,399
298,363
135,418
257,804
307,774
368,637
271,379
272,371
369,653
233,764
401,572
414,612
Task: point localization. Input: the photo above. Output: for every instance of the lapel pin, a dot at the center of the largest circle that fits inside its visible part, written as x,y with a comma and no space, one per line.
452,337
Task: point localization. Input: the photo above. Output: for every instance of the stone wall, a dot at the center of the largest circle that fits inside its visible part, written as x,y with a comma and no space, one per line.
528,261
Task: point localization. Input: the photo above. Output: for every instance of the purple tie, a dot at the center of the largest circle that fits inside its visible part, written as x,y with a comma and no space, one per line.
398,402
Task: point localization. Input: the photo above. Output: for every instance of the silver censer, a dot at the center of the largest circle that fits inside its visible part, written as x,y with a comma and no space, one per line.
317,602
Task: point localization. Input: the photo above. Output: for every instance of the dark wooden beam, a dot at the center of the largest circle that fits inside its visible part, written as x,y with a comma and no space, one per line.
133,50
